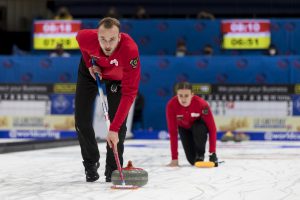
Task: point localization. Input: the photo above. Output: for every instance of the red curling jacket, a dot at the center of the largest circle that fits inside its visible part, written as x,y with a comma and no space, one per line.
122,65
184,117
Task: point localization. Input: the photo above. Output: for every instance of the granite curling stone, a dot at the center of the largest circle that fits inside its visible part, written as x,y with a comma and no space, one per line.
133,176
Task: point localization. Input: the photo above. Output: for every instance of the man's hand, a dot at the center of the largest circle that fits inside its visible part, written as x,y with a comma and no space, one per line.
173,163
213,158
112,138
95,69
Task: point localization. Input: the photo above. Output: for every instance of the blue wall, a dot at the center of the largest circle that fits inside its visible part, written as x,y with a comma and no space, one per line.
159,37
159,74
166,69
38,69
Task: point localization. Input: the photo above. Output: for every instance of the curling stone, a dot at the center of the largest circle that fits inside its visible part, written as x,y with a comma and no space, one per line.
133,176
228,136
240,136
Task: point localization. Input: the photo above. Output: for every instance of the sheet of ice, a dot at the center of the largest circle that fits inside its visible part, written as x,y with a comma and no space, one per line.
9,140
252,170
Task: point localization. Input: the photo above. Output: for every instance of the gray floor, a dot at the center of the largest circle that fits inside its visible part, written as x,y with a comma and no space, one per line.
252,170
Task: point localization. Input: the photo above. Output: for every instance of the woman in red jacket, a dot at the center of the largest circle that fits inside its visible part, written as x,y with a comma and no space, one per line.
191,117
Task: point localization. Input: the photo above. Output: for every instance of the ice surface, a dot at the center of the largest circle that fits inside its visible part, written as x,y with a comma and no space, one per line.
252,171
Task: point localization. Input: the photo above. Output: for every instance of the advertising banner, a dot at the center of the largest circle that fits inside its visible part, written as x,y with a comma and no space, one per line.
296,105
38,127
48,122
258,124
62,104
34,92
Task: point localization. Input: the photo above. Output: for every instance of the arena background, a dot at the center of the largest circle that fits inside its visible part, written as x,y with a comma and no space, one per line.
249,91
242,56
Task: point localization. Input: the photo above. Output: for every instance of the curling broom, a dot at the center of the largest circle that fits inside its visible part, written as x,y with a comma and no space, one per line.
102,90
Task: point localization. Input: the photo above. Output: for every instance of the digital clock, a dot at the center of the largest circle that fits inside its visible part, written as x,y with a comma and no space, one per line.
246,34
48,33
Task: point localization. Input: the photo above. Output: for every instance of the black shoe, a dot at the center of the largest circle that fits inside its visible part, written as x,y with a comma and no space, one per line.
108,179
108,173
91,171
199,158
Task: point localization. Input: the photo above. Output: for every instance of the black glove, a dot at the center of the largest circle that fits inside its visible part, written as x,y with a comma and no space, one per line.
213,158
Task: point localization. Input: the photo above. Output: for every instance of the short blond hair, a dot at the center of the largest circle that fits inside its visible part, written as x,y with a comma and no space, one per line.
109,22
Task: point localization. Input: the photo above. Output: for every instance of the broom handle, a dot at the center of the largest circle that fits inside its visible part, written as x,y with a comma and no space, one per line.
103,102
102,91
118,165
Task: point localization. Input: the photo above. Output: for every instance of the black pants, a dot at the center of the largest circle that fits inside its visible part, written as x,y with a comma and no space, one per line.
86,92
194,140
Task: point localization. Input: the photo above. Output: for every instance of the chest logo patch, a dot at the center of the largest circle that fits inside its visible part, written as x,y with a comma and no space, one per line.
134,62
195,114
114,62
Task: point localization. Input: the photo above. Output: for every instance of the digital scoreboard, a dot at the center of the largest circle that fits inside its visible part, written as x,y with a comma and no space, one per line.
48,33
246,34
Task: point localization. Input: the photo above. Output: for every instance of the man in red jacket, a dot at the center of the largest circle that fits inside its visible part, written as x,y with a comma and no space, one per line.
117,62
191,117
